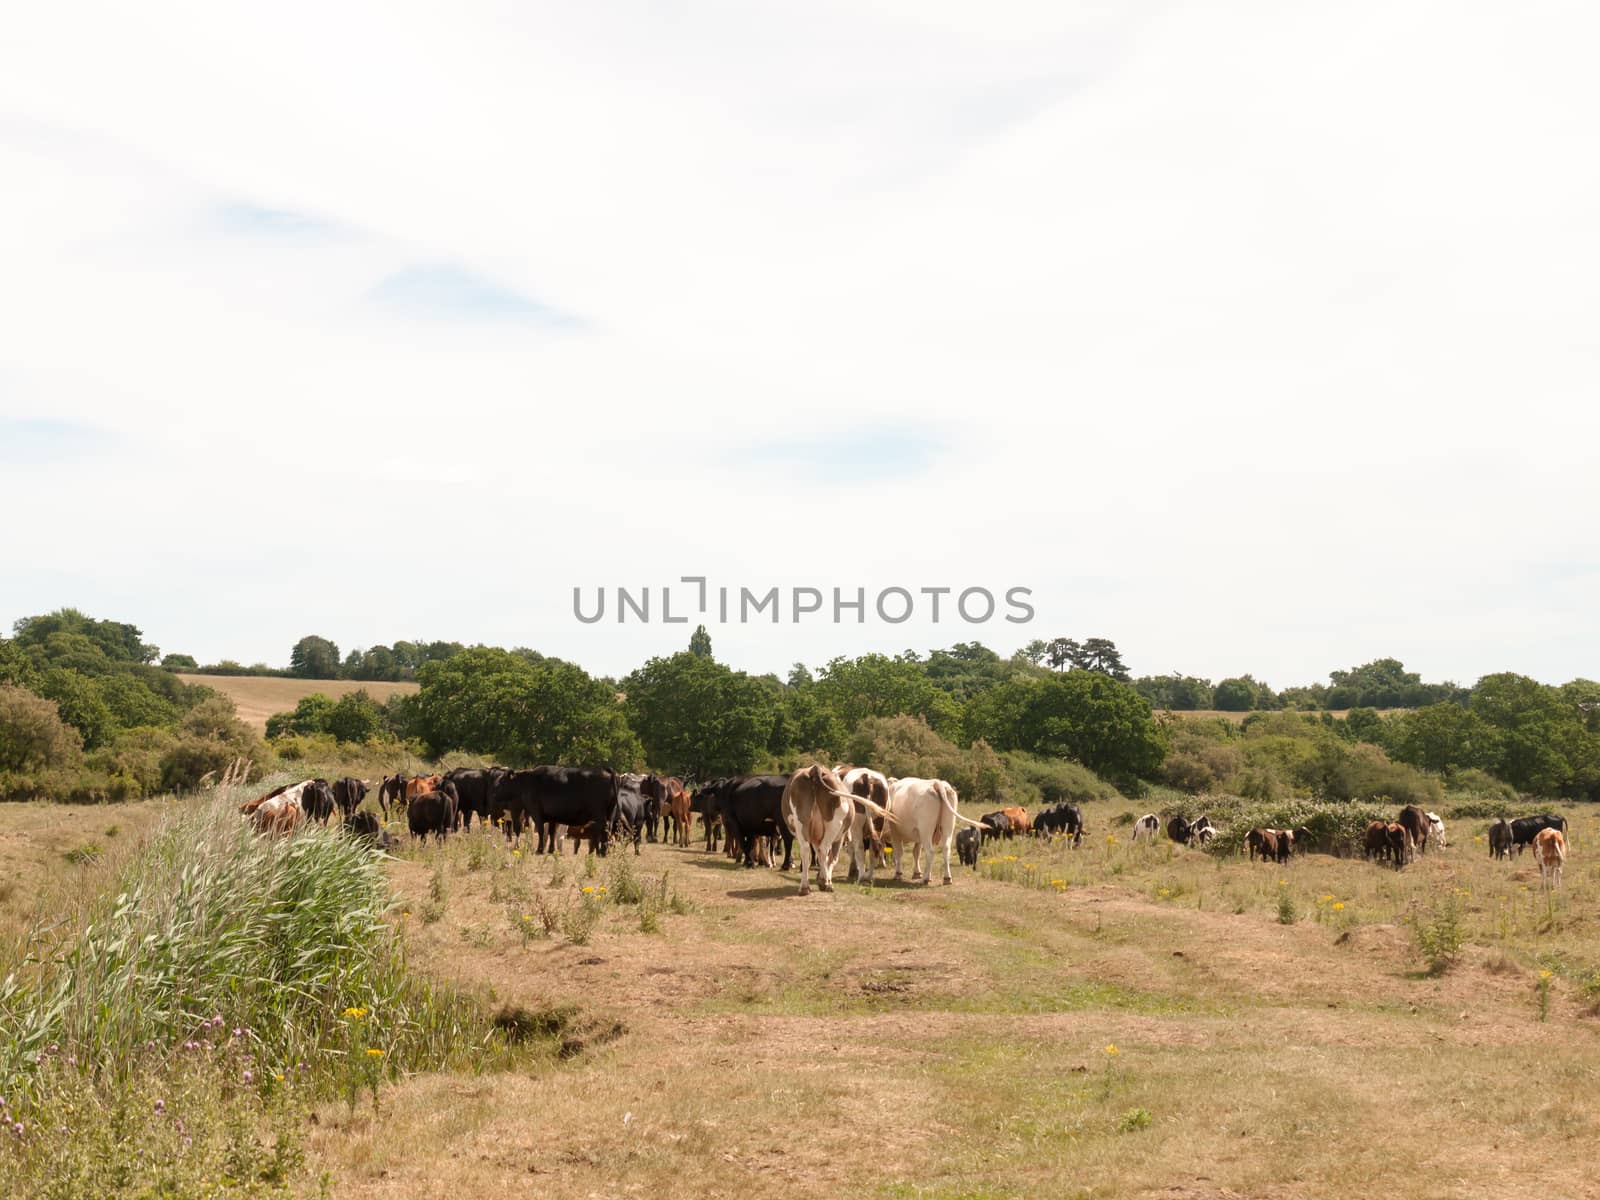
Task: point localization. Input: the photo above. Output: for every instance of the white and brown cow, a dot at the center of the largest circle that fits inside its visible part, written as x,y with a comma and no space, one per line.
279,811
1146,828
817,810
863,836
921,814
1550,852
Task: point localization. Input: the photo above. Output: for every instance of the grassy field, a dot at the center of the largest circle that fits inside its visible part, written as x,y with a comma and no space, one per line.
257,697
1116,1021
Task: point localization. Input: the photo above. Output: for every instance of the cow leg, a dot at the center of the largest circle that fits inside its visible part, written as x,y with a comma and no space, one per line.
947,877
788,847
805,866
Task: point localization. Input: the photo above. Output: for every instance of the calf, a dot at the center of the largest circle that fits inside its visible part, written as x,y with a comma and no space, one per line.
363,826
1146,828
995,825
968,842
1376,842
1550,852
1436,830
1500,839
1400,845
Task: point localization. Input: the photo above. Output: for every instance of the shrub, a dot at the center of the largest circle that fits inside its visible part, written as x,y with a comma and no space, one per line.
34,741
1439,935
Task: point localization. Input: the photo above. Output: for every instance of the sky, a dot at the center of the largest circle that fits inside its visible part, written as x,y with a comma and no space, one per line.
1256,336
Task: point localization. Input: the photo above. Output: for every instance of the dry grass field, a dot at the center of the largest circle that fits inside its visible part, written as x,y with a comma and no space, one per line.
257,697
1114,1021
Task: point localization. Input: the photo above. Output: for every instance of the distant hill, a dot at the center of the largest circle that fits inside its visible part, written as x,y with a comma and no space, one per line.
257,697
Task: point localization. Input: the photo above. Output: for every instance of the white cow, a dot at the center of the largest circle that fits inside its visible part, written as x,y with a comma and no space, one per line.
1436,830
279,810
1146,826
921,813
870,785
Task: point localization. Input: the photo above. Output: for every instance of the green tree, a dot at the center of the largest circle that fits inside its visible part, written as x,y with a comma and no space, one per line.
1236,694
119,642
310,716
314,658
876,685
1180,693
1540,741
698,718
1101,654
33,737
355,718
700,642
1443,738
492,701
1081,715
179,662
80,703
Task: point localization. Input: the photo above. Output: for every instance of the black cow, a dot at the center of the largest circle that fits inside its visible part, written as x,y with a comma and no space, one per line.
363,826
1525,829
752,807
707,801
317,800
1063,818
1179,830
1500,839
432,812
997,825
348,793
474,785
653,791
551,796
1203,831
967,843
393,788
632,817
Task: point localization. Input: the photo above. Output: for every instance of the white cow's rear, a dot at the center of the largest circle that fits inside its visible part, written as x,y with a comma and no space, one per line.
921,814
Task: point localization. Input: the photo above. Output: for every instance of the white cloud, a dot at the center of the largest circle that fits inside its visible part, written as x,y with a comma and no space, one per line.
1257,337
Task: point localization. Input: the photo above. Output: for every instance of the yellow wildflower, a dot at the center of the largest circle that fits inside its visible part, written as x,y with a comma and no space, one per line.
374,1052
1338,906
355,1014
1113,1051
1546,974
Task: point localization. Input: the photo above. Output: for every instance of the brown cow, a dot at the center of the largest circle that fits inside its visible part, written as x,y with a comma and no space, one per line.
817,810
1376,842
421,785
677,812
1263,842
1401,847
578,832
1417,825
1019,819
1550,852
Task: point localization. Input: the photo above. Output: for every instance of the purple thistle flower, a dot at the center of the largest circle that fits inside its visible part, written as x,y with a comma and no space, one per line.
161,1106
249,1077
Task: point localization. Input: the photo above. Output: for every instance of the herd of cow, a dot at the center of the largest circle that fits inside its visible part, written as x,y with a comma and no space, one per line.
823,810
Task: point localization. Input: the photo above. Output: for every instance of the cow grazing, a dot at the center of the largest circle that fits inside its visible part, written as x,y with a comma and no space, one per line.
968,843
1179,830
1416,824
1436,830
1203,831
1063,819
1500,839
1550,852
550,796
1019,818
363,826
1525,829
632,818
419,785
348,793
921,813
863,836
817,811
1146,828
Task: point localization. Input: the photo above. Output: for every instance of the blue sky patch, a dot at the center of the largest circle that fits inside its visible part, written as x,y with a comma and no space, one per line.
444,291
